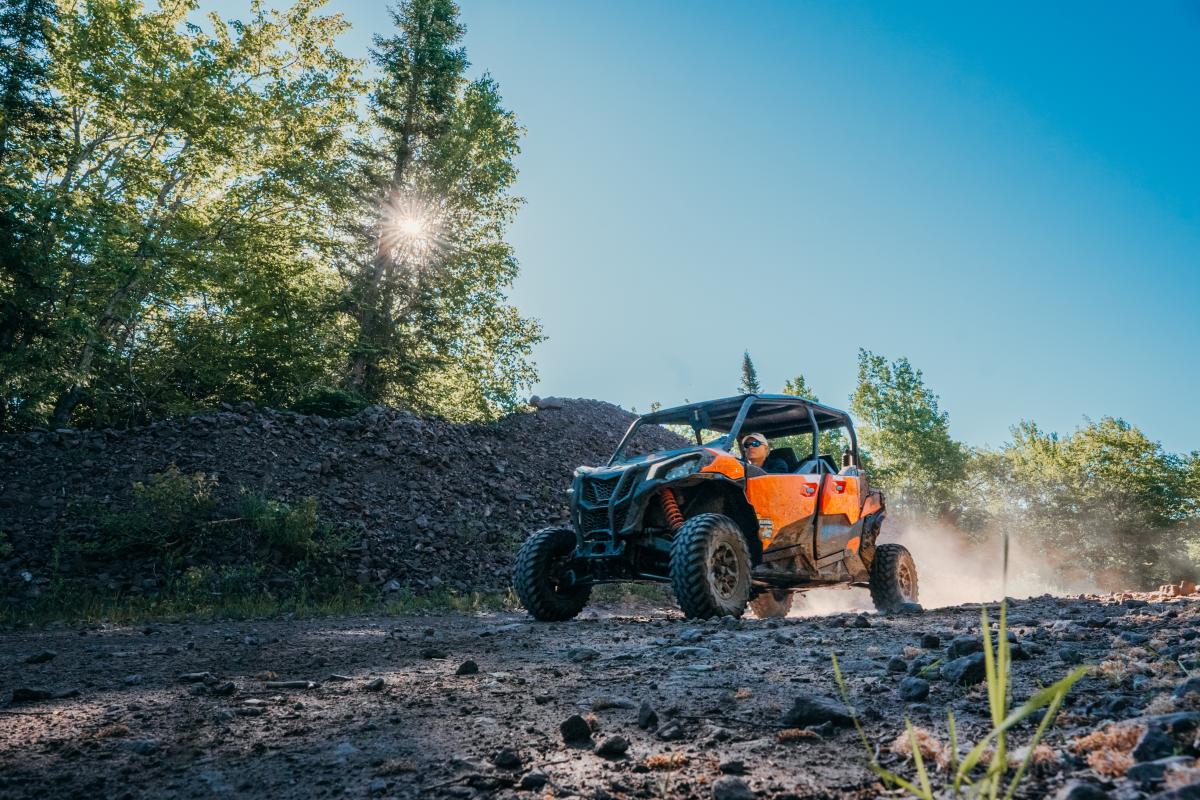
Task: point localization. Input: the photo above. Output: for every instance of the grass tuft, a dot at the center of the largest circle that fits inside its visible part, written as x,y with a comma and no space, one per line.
985,767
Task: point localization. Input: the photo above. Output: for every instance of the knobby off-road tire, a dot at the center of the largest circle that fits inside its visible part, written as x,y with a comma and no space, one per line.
772,603
710,567
539,574
893,577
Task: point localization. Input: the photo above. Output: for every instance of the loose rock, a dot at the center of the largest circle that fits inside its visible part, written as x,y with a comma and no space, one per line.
914,689
575,730
507,758
647,716
814,710
965,671
731,788
1151,772
612,747
1081,790
1153,745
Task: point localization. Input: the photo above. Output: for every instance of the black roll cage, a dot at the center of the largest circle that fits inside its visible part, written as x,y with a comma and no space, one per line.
783,415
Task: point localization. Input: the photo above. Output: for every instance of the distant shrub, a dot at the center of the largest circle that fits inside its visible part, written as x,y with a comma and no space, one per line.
324,401
252,557
291,531
167,510
6,548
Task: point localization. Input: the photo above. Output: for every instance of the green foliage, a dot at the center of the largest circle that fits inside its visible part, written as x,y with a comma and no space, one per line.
432,328
1105,501
407,602
179,220
907,436
291,531
749,383
6,548
989,784
175,518
202,594
270,557
832,442
327,402
192,211
167,513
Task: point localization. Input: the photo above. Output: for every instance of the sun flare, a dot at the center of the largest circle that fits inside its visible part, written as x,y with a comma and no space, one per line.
412,230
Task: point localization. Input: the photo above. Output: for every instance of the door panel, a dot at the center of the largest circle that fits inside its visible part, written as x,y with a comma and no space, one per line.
785,505
841,496
841,507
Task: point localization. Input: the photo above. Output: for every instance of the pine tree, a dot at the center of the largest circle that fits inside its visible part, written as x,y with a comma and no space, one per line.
749,384
432,327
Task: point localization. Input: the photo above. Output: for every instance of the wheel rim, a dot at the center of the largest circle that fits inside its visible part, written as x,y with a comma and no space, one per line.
556,574
723,570
906,577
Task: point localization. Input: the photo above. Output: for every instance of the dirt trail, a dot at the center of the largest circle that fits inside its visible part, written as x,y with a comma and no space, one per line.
389,715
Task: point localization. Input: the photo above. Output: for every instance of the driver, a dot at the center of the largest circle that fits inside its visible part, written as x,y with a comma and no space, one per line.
757,449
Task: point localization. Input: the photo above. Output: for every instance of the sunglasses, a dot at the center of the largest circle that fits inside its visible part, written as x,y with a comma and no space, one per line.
752,443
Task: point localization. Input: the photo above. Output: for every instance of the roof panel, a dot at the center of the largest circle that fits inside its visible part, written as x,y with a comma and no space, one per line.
771,414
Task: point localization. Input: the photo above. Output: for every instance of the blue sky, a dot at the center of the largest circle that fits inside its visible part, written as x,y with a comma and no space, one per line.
1007,194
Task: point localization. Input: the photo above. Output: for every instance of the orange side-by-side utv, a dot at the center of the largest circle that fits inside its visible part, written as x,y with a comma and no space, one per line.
724,533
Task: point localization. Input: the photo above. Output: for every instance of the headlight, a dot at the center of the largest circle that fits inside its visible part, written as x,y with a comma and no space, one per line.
682,470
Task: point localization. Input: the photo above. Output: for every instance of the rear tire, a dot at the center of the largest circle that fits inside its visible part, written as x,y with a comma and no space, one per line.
710,567
772,603
893,577
539,577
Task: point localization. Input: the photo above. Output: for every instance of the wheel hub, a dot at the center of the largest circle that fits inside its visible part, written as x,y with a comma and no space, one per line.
906,579
723,570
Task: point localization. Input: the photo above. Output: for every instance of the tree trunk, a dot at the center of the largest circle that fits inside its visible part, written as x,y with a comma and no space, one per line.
366,358
69,399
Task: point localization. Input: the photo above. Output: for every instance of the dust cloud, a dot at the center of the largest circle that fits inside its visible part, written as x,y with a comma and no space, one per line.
953,569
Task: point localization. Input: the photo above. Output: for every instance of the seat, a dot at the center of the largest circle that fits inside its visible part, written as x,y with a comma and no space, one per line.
811,466
788,456
817,466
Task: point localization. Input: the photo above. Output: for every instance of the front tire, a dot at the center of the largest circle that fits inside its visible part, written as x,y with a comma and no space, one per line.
540,576
772,603
893,577
710,567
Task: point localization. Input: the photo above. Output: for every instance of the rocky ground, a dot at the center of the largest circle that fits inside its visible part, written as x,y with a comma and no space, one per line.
623,702
426,504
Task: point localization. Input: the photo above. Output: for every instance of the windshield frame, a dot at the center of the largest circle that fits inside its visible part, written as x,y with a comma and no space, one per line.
723,442
726,441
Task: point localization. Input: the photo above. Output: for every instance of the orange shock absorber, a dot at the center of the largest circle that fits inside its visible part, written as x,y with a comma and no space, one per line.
670,508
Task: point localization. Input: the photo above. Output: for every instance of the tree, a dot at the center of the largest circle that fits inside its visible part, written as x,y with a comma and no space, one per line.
832,442
1105,501
28,112
26,103
749,384
189,194
907,436
432,328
